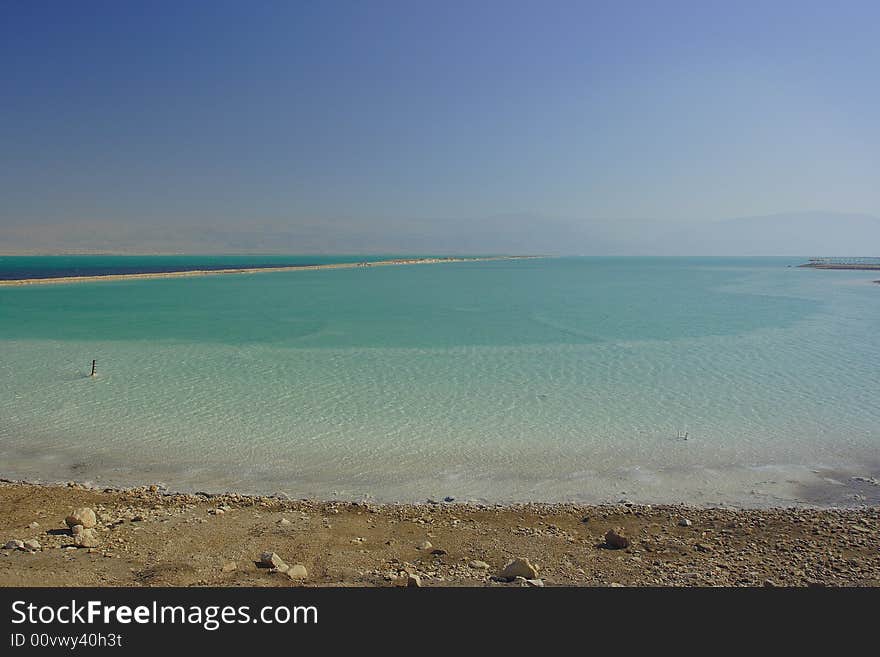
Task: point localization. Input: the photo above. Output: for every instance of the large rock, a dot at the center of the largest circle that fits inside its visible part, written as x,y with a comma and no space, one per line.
272,560
84,537
519,567
409,580
82,516
297,571
616,539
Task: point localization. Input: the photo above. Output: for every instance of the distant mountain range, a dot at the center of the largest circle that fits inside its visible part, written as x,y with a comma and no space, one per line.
791,234
794,234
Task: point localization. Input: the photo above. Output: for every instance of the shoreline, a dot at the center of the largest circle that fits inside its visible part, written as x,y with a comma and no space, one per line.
853,267
254,270
843,489
164,490
147,536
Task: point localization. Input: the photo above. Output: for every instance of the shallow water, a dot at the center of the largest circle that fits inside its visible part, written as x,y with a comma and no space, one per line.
551,379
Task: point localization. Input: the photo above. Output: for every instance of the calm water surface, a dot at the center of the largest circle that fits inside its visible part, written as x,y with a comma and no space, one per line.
551,379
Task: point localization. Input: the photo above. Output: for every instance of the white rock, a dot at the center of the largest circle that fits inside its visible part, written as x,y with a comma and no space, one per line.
33,544
519,567
479,565
425,545
14,544
82,516
297,571
34,525
684,522
273,560
284,522
84,537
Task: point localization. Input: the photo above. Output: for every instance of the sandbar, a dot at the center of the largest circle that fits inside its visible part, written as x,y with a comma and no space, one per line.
252,270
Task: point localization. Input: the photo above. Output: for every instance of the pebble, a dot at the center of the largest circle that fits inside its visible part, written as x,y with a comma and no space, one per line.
284,522
34,525
426,545
33,544
229,567
684,522
519,567
14,544
479,565
82,516
616,539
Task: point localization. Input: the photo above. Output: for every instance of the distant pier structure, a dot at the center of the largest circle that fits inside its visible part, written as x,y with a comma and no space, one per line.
870,263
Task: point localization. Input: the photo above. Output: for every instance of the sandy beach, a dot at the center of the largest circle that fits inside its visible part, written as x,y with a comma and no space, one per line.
147,537
252,270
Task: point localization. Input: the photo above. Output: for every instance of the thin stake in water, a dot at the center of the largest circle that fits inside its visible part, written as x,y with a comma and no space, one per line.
94,363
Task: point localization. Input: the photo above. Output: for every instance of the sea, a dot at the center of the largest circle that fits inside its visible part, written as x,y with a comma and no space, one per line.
742,382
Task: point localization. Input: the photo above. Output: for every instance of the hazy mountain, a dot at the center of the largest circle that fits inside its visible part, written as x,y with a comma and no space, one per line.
794,234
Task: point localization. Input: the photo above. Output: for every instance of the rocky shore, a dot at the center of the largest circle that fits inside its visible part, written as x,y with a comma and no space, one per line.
77,536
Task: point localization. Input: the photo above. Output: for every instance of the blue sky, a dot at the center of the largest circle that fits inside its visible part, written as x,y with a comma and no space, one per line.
367,116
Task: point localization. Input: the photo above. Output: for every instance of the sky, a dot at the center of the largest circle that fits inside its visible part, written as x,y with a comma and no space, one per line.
475,126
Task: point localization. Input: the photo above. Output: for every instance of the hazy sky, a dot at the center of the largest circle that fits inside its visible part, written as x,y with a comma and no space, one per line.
372,117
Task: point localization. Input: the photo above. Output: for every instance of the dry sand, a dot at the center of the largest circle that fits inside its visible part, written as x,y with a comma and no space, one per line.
149,538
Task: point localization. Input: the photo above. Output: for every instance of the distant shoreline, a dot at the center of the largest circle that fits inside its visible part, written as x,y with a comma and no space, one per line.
835,265
251,270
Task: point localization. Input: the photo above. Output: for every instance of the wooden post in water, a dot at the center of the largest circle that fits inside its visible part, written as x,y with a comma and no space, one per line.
94,363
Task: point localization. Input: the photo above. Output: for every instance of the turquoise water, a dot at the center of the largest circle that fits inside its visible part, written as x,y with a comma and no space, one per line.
548,379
